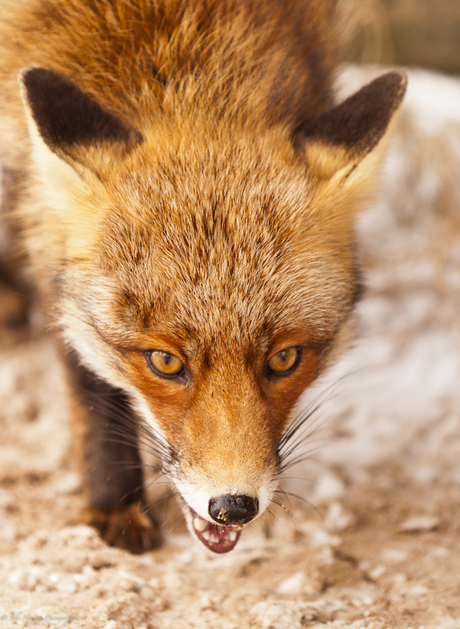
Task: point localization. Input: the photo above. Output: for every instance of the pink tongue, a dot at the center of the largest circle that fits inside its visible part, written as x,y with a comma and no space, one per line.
219,539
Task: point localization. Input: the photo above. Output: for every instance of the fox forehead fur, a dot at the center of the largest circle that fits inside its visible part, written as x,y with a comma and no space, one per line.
191,188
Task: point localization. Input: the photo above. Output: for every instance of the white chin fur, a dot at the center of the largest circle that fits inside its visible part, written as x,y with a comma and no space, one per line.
266,495
195,497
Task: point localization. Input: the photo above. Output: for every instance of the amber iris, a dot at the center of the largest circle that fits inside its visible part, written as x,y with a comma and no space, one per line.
284,361
165,364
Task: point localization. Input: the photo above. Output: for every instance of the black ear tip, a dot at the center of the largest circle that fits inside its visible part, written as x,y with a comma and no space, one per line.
399,77
402,77
66,116
35,78
33,72
394,83
30,79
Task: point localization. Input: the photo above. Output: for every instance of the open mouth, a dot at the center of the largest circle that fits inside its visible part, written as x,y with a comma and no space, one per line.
219,539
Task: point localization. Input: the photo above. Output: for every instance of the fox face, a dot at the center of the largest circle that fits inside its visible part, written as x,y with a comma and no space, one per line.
226,331
208,273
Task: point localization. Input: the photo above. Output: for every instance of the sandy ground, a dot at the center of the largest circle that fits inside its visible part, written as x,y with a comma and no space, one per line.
380,548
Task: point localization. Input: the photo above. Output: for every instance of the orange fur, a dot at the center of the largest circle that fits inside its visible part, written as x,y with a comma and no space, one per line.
189,187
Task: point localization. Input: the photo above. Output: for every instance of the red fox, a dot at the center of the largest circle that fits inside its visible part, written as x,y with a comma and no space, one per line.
186,189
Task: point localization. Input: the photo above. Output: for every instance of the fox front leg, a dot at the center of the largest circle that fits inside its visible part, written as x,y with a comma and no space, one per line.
106,439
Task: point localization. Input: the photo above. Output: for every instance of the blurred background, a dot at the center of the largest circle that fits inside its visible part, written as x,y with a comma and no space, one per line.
424,33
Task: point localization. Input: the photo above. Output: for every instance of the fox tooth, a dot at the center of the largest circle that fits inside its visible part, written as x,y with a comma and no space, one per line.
199,524
232,536
207,536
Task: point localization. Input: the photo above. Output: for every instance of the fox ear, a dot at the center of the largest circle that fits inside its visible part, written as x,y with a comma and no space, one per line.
68,121
338,140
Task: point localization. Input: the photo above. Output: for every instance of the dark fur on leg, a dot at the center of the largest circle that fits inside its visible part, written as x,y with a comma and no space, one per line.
111,464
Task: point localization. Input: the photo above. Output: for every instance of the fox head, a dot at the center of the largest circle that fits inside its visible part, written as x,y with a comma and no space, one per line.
207,270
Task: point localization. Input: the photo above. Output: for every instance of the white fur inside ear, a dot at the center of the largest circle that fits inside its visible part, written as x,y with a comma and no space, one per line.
60,181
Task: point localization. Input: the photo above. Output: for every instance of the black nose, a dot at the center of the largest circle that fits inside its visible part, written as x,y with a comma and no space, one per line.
229,510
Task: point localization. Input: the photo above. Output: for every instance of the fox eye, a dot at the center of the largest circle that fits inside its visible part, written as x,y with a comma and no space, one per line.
164,364
285,361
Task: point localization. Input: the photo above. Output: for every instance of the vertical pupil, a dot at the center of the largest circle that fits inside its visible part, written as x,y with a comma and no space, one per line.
167,358
283,355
